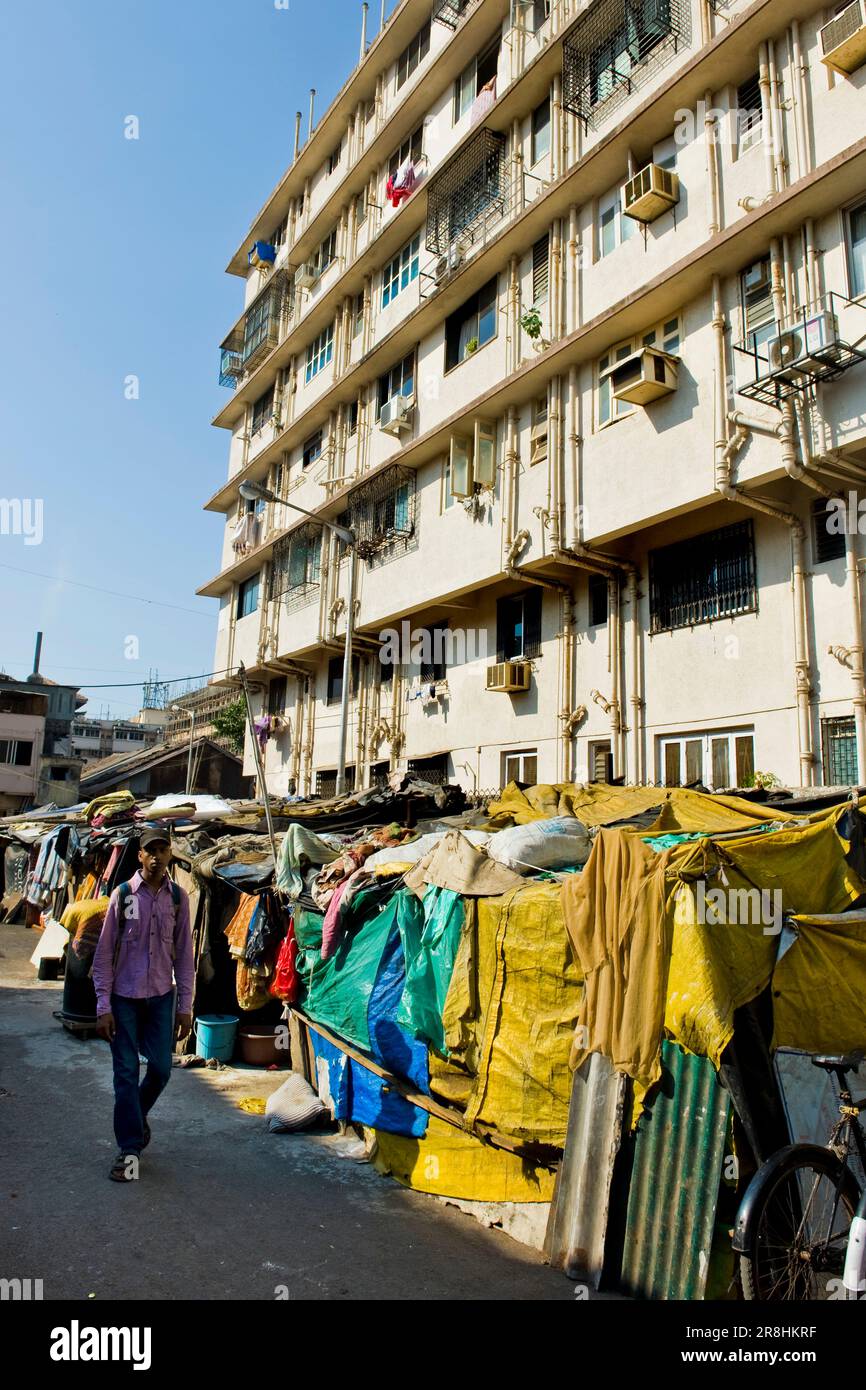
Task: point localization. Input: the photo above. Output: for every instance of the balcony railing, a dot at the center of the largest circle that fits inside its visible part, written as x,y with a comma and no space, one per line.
452,12
381,512
249,344
296,564
467,191
614,46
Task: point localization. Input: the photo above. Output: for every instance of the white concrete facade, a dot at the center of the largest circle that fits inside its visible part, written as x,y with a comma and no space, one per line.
739,653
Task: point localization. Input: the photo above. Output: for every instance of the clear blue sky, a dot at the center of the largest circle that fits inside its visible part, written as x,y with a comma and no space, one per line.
113,258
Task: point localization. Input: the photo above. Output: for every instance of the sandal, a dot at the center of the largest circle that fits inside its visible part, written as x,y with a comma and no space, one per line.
123,1170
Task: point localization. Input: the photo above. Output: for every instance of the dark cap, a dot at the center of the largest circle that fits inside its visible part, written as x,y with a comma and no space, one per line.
154,833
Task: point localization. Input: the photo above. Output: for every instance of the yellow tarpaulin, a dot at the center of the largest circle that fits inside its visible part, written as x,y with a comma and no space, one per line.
819,985
509,1017
599,804
682,939
450,1163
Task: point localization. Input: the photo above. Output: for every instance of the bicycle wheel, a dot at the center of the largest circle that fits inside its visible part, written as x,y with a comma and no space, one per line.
800,1208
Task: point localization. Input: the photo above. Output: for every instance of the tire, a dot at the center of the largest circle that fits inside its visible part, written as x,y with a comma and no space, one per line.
793,1227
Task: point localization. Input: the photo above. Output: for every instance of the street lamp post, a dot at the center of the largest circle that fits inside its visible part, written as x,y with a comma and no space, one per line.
179,709
255,492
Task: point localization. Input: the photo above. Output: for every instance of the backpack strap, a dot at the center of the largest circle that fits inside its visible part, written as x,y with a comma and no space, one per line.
124,892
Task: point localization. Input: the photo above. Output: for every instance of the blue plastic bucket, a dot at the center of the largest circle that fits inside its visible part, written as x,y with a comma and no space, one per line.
215,1036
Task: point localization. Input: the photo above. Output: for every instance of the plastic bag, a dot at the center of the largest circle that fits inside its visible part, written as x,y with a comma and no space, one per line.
286,982
558,843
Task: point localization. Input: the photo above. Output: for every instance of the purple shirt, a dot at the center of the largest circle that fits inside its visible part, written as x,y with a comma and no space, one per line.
152,944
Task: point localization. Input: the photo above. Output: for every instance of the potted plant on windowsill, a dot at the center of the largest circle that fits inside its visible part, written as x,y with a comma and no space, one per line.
471,346
530,322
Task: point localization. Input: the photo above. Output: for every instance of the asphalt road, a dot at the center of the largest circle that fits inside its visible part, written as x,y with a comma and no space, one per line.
223,1209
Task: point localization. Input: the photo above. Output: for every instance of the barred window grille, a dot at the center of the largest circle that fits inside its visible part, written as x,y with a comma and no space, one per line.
433,769
296,562
452,12
704,578
467,191
326,782
839,752
613,47
262,322
381,513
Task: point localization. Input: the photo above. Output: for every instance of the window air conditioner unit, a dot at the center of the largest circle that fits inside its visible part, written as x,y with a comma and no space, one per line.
509,676
843,40
307,275
791,352
644,376
396,415
650,193
447,264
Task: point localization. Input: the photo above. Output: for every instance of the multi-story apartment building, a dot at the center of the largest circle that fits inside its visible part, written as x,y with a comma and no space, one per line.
561,308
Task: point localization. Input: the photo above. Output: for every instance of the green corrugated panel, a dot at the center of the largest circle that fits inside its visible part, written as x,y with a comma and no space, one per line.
674,1185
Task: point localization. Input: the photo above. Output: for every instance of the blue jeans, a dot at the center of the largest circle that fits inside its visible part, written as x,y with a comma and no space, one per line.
141,1026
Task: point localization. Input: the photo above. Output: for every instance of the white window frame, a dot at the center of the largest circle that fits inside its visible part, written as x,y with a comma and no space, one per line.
706,737
518,754
853,291
610,213
401,271
319,353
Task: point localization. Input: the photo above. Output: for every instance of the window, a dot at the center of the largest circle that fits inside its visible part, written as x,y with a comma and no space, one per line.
320,352
826,544
410,149
839,752
16,752
474,77
433,769
278,236
538,436
857,249
540,269
335,679
521,765
716,760
399,272
327,252
540,13
707,577
518,625
647,23
391,515
613,226
434,648
353,417
312,449
361,209
335,156
666,335
413,54
474,323
259,323
759,323
357,315
263,409
277,691
600,760
597,600
297,561
749,113
540,131
399,381
326,781
248,596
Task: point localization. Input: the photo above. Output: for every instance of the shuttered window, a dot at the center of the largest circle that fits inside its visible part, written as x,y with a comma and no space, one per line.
540,268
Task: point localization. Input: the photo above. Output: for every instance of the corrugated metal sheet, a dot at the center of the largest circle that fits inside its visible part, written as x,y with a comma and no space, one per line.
674,1185
579,1211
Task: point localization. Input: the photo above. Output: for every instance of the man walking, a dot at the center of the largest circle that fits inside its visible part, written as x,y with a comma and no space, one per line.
146,935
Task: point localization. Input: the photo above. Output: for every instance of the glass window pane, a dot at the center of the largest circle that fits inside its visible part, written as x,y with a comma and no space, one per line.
745,748
858,250
608,230
694,760
721,765
672,764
